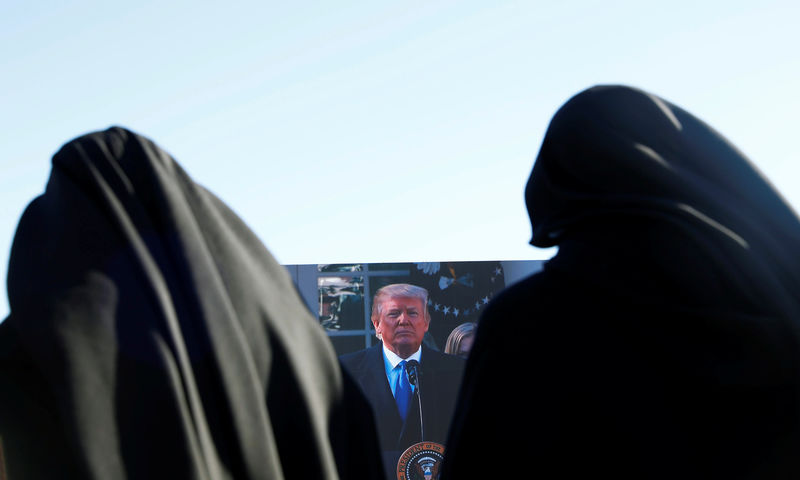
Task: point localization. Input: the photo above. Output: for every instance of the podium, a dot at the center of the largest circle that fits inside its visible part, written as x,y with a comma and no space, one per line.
421,461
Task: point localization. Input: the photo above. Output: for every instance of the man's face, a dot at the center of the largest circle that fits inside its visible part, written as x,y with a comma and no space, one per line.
402,324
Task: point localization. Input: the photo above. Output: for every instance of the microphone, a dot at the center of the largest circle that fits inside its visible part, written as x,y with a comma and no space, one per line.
413,371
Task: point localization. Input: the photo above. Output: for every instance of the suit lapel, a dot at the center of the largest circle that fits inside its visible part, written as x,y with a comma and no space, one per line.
376,386
427,382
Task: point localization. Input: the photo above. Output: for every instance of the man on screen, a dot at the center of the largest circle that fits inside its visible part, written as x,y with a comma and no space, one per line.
401,318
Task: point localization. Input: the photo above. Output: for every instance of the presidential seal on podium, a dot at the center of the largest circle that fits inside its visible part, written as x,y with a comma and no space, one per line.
421,461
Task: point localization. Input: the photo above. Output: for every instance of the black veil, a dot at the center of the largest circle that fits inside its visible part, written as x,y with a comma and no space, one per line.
663,339
152,335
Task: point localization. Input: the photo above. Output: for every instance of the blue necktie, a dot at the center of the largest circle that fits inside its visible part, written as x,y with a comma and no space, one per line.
402,393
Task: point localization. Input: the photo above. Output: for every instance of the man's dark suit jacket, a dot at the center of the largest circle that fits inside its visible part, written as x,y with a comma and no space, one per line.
440,377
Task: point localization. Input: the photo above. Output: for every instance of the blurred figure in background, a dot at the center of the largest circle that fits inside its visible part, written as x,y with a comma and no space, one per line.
152,335
459,342
662,341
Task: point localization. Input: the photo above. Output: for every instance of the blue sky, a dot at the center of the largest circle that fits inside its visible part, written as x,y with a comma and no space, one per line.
378,131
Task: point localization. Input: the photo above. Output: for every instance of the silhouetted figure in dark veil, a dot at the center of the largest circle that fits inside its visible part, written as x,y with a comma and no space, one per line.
662,339
152,335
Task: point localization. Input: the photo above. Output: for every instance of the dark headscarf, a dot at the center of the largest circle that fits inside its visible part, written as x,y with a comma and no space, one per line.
152,335
662,340
614,153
